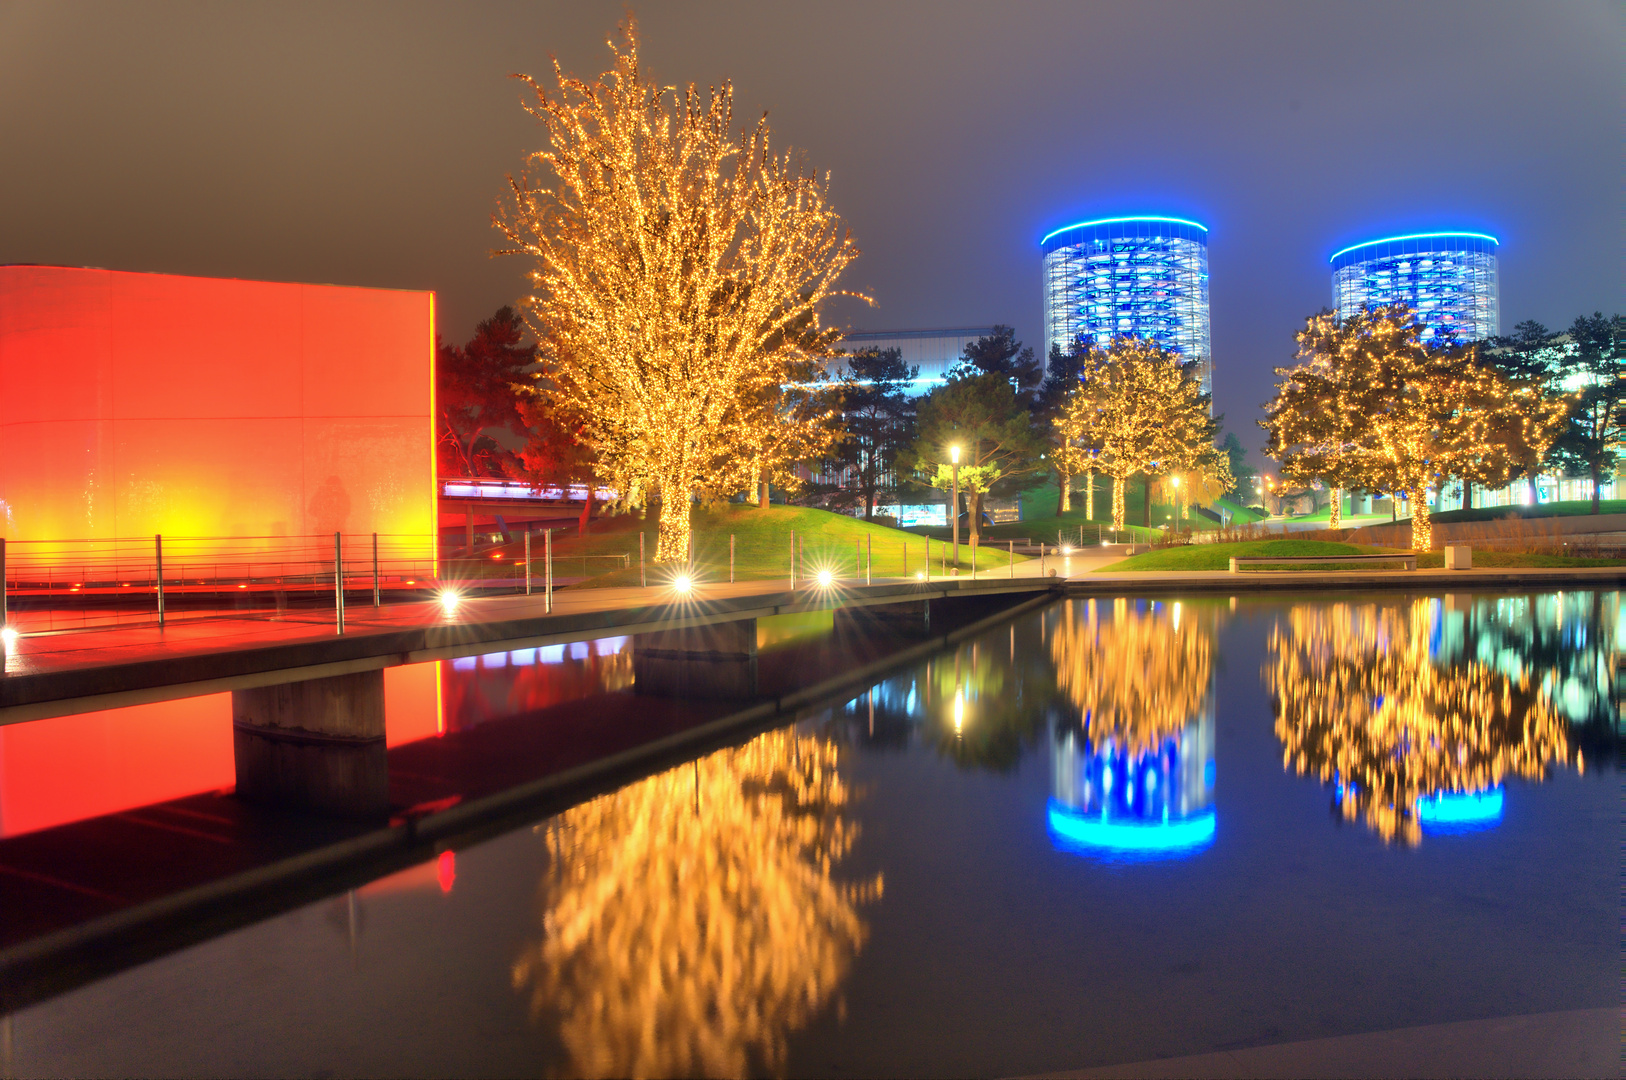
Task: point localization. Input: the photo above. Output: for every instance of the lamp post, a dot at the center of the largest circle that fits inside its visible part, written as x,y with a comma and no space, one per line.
954,505
1178,509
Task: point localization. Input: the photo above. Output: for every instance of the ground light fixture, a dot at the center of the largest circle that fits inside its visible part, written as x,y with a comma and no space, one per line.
449,601
8,639
682,584
826,579
920,575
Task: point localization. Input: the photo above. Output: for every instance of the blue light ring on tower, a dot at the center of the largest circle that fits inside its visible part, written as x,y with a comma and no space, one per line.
1471,241
1190,232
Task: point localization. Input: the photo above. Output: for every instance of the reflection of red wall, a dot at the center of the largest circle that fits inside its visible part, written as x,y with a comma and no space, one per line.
75,767
133,404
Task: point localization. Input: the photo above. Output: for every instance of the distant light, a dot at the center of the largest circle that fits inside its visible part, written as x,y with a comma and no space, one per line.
8,638
449,601
682,584
1186,834
1414,236
496,554
446,871
1117,220
242,586
920,575
1067,549
1461,808
825,579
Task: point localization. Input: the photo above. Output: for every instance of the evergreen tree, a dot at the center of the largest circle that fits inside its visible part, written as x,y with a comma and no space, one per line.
878,417
1596,366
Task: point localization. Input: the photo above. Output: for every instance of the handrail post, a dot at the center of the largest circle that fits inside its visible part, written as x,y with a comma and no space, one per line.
376,596
731,558
928,558
643,583
547,561
158,554
793,560
338,580
527,560
3,591
869,559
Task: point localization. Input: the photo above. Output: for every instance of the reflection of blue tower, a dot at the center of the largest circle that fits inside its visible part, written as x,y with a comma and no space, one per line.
1157,802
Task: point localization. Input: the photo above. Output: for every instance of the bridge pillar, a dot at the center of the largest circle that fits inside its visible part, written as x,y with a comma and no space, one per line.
315,745
708,662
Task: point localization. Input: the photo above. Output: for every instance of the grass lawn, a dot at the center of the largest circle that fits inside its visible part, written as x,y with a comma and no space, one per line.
1561,509
1041,521
1218,556
761,548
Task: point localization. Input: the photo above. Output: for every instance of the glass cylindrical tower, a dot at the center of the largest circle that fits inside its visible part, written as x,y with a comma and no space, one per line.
1129,276
1447,278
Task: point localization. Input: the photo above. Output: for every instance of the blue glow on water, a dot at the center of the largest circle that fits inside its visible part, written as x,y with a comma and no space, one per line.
1456,811
1184,836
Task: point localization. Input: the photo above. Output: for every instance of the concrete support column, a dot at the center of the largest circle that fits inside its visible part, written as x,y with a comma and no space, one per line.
316,745
716,662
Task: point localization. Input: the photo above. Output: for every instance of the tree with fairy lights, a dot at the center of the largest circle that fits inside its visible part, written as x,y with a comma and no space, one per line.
679,270
1317,424
1373,405
1151,417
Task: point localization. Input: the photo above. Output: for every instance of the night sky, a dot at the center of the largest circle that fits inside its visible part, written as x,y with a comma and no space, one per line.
366,144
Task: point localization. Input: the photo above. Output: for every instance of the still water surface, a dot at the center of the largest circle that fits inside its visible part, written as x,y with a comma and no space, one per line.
1110,831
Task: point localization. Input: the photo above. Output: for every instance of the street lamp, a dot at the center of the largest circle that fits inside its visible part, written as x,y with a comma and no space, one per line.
1178,509
954,505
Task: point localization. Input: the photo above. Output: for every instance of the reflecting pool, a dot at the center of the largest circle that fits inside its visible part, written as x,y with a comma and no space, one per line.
1106,832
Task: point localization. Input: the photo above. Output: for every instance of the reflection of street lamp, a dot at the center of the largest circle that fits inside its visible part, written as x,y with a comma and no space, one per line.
954,505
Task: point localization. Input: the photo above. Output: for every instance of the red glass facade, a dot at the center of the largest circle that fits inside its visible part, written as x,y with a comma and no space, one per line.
134,404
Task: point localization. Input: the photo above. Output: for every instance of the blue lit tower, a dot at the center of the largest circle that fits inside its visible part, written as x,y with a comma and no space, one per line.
1448,278
1140,276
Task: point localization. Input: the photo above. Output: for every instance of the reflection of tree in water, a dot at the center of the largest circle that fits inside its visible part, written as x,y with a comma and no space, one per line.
985,705
691,919
1567,644
1137,678
1361,701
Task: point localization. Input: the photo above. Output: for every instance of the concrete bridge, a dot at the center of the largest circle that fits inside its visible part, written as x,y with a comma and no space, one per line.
308,705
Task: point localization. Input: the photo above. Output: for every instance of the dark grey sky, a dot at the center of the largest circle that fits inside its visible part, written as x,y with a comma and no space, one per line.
366,143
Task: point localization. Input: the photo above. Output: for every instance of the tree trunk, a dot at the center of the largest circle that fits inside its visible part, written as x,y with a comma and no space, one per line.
1146,504
762,491
976,519
672,542
1597,482
1118,504
1066,492
1336,516
1089,494
1422,529
1467,495
587,512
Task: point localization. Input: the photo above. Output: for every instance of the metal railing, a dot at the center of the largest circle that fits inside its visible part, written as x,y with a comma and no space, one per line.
57,585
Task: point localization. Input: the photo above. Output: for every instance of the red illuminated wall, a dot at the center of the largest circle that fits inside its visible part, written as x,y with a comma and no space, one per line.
134,404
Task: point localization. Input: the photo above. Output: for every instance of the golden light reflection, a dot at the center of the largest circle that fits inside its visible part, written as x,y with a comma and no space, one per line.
1137,677
692,920
1362,702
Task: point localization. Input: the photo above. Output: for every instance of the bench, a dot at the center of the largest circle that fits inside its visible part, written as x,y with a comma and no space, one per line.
1409,559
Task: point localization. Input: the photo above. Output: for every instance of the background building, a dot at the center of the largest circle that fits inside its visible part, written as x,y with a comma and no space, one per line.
1141,276
933,351
1448,278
